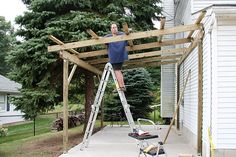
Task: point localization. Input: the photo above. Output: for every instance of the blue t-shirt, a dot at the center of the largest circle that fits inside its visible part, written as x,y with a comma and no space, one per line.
117,52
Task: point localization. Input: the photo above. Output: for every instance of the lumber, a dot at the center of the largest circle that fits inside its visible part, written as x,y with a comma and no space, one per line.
131,36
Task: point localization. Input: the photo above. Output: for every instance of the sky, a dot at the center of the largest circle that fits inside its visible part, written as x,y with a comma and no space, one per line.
11,8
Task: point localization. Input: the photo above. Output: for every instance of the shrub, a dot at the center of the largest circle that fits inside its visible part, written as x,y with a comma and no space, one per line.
3,132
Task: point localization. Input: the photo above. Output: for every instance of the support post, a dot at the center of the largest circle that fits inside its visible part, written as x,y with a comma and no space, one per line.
179,102
65,105
177,94
200,96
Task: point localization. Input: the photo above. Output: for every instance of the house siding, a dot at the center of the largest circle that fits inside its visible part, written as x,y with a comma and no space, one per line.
168,71
201,4
10,116
226,83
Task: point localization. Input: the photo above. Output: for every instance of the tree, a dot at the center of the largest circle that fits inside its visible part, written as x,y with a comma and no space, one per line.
40,72
138,95
5,44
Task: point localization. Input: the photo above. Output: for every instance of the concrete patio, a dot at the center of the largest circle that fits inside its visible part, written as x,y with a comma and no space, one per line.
113,141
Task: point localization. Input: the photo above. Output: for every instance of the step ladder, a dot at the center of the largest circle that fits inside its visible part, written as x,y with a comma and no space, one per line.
95,107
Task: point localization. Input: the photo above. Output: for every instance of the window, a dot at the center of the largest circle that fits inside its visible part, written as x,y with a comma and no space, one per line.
2,103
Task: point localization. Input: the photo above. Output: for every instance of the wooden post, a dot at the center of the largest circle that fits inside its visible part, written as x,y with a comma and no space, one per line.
179,102
177,93
65,105
200,96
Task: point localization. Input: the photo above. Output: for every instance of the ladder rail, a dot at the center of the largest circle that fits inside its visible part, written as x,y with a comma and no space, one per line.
95,107
97,102
124,103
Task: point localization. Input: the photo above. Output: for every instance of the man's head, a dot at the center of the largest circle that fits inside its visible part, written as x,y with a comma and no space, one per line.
114,29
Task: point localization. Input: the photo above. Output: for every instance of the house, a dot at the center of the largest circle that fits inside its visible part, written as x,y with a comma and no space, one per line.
9,89
219,76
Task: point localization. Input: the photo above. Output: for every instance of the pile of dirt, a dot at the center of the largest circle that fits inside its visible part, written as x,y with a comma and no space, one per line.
52,145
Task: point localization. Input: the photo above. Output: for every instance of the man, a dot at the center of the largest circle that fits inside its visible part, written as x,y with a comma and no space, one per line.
117,54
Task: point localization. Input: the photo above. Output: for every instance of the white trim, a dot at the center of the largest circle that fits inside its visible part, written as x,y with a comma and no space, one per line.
214,81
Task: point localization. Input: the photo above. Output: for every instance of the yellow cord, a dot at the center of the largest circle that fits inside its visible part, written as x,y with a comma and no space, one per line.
212,147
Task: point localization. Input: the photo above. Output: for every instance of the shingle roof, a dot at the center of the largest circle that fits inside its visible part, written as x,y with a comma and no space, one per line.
9,86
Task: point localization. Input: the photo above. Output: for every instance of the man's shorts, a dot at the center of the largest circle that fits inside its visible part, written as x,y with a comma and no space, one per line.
117,66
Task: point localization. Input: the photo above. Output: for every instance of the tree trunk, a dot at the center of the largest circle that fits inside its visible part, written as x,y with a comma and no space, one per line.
89,95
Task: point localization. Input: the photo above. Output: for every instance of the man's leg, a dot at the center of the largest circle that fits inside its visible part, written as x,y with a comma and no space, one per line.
120,78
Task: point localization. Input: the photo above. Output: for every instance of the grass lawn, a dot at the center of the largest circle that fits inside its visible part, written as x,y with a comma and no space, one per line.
42,145
15,132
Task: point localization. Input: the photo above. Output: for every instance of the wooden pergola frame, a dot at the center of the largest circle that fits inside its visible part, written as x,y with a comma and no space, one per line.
94,61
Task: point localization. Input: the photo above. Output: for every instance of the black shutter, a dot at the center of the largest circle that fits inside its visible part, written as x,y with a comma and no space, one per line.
8,103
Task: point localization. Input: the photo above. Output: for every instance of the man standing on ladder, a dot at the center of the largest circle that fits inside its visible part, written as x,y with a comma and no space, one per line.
117,54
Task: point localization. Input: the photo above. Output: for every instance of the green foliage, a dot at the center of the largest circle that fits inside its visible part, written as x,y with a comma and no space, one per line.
3,132
138,95
40,72
6,40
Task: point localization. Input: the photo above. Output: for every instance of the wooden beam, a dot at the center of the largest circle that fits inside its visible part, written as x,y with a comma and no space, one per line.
79,62
142,55
126,30
65,105
177,106
152,64
198,21
94,35
138,35
163,20
61,43
200,96
152,59
177,94
191,47
137,47
72,73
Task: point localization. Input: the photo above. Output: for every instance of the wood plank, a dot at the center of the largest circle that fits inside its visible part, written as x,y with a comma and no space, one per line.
61,43
138,35
126,30
137,47
200,96
198,21
94,35
65,105
142,55
163,21
177,106
72,73
79,62
152,64
153,59
191,47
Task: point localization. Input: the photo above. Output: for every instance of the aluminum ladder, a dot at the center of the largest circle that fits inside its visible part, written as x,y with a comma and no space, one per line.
97,102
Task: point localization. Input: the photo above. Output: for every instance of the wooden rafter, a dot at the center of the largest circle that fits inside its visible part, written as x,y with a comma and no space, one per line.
199,19
61,43
152,64
142,55
94,35
191,47
77,61
131,36
153,59
162,25
126,30
137,47
73,58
